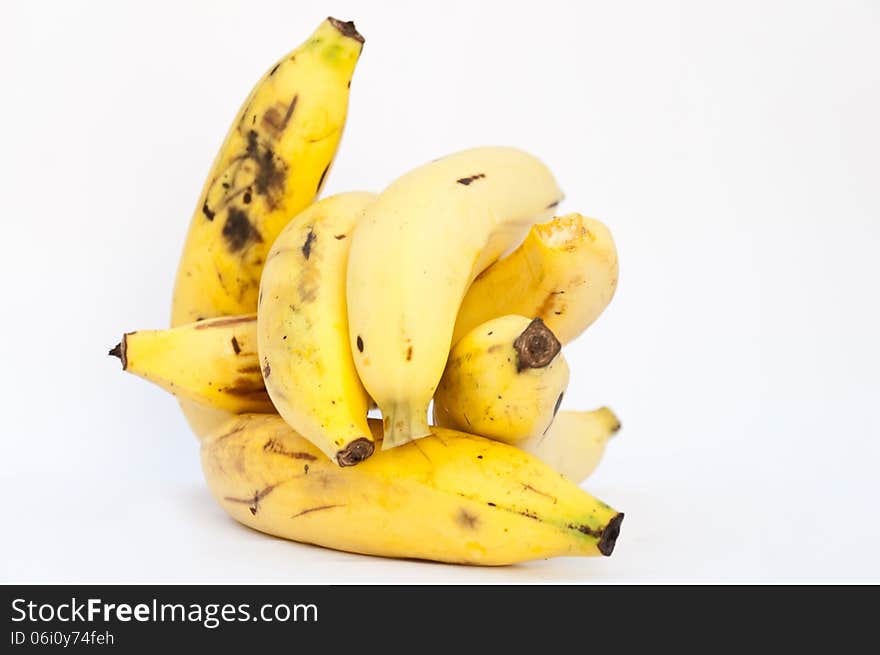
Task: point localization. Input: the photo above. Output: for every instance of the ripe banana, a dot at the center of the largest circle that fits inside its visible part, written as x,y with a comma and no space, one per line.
451,497
212,362
272,164
302,330
414,254
504,380
575,442
564,272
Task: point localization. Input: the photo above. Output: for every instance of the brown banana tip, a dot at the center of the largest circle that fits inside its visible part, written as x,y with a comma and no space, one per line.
346,28
355,452
610,534
536,346
119,351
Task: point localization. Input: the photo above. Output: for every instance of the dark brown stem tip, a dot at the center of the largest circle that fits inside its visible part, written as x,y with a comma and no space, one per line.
536,346
609,535
355,452
119,351
346,28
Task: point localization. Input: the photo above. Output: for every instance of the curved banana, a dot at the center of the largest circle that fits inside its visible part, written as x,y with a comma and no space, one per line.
451,497
504,380
414,254
271,165
302,330
564,272
212,362
575,443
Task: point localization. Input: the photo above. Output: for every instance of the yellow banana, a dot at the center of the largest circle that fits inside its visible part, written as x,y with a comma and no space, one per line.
271,165
302,329
575,442
414,254
451,497
212,362
504,380
564,272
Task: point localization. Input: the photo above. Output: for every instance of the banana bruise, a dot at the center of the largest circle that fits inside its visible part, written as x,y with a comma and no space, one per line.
302,330
414,254
504,380
450,497
575,442
213,363
564,272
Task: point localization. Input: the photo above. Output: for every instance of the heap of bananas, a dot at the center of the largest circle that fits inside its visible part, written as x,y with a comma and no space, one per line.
292,318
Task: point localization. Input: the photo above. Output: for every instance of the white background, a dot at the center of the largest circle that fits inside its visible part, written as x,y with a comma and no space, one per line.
731,147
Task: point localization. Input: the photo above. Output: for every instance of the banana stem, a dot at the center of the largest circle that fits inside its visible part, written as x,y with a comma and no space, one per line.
402,424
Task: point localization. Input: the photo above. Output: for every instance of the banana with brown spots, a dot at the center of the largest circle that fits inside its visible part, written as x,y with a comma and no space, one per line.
449,497
213,363
413,256
564,272
302,330
272,164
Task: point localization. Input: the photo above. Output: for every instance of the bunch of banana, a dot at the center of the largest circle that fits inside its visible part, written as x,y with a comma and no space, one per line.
292,317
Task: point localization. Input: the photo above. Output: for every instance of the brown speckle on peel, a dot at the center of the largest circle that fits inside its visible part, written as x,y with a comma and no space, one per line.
267,370
536,347
275,121
235,347
236,430
360,344
529,487
271,174
321,179
554,204
272,446
409,352
549,304
339,237
494,348
466,520
238,231
311,237
471,178
246,388
274,68
530,515
207,211
314,509
254,501
355,452
558,403
206,324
